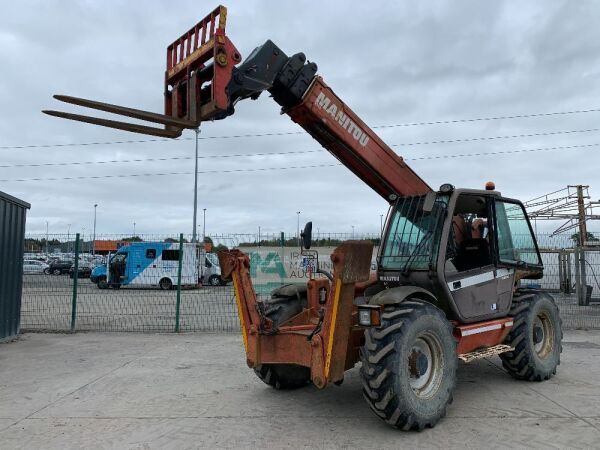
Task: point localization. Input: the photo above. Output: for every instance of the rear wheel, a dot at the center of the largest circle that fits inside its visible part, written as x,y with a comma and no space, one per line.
165,284
283,376
56,272
409,365
214,280
536,336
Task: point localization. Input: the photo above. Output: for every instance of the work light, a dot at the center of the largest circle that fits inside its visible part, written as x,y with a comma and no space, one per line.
369,315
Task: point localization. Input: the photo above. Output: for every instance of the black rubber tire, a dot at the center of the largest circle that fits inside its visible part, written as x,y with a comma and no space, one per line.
283,376
214,280
525,363
385,371
56,272
102,284
165,284
47,271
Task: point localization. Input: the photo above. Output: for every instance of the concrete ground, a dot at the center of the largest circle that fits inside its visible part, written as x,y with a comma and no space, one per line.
95,390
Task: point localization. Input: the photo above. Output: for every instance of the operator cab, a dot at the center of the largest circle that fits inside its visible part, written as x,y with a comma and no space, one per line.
467,248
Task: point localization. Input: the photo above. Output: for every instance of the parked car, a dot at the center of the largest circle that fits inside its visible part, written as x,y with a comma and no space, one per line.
59,267
34,266
83,271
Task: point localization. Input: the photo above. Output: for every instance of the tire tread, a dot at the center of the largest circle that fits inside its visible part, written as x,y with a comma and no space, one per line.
378,371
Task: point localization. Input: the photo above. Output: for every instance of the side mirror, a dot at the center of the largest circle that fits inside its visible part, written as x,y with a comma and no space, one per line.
306,236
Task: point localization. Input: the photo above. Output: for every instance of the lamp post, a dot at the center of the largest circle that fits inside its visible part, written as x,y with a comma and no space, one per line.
94,236
298,228
194,240
68,237
381,224
134,228
259,235
46,238
203,224
352,232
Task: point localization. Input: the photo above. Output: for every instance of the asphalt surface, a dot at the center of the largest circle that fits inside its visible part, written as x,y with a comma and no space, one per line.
145,391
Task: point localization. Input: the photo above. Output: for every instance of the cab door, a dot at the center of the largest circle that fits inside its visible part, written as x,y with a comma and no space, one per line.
516,248
479,288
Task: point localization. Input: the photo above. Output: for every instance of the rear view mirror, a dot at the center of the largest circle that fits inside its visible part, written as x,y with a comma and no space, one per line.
307,236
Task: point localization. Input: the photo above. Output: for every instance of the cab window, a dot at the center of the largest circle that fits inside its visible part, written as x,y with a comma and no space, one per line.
514,237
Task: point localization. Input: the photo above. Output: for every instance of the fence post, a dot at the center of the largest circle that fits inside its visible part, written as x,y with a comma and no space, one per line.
578,288
569,274
282,243
75,277
583,282
561,272
178,305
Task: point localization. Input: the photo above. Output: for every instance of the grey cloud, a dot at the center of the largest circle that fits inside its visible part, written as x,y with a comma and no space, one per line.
394,62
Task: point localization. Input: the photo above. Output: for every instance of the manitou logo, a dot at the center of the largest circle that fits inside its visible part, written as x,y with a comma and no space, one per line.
336,112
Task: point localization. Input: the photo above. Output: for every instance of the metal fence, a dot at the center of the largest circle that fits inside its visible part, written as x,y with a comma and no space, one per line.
62,299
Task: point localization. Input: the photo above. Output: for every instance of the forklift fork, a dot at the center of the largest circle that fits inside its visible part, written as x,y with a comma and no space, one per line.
199,67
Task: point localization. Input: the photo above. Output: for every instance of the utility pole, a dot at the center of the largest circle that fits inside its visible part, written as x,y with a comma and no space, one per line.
194,240
298,228
581,211
203,224
94,238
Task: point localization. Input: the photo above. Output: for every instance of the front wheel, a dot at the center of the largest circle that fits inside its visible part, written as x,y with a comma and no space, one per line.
102,284
536,337
409,365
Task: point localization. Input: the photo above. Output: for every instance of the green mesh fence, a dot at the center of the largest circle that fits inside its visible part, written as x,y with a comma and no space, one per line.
143,301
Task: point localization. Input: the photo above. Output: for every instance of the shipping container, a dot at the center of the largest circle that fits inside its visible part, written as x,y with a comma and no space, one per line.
12,235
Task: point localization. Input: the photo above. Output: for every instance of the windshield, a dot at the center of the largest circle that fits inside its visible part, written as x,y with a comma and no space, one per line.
412,237
212,258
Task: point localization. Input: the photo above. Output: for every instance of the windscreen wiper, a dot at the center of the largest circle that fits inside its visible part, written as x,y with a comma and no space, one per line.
414,252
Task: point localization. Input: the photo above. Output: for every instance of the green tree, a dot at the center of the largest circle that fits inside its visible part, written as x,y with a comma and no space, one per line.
133,239
588,237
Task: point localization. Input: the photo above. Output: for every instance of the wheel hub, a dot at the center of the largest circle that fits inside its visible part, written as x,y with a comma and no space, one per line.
425,365
418,363
543,335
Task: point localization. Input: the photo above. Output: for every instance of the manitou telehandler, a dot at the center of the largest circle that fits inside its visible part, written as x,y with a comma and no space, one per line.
448,267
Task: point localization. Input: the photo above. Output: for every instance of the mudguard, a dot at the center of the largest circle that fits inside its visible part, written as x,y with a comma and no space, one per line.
399,294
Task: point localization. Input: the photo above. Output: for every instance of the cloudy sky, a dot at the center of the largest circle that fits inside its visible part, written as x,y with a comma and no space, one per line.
394,63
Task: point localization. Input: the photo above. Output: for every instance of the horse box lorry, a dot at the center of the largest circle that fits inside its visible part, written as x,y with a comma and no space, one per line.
146,264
